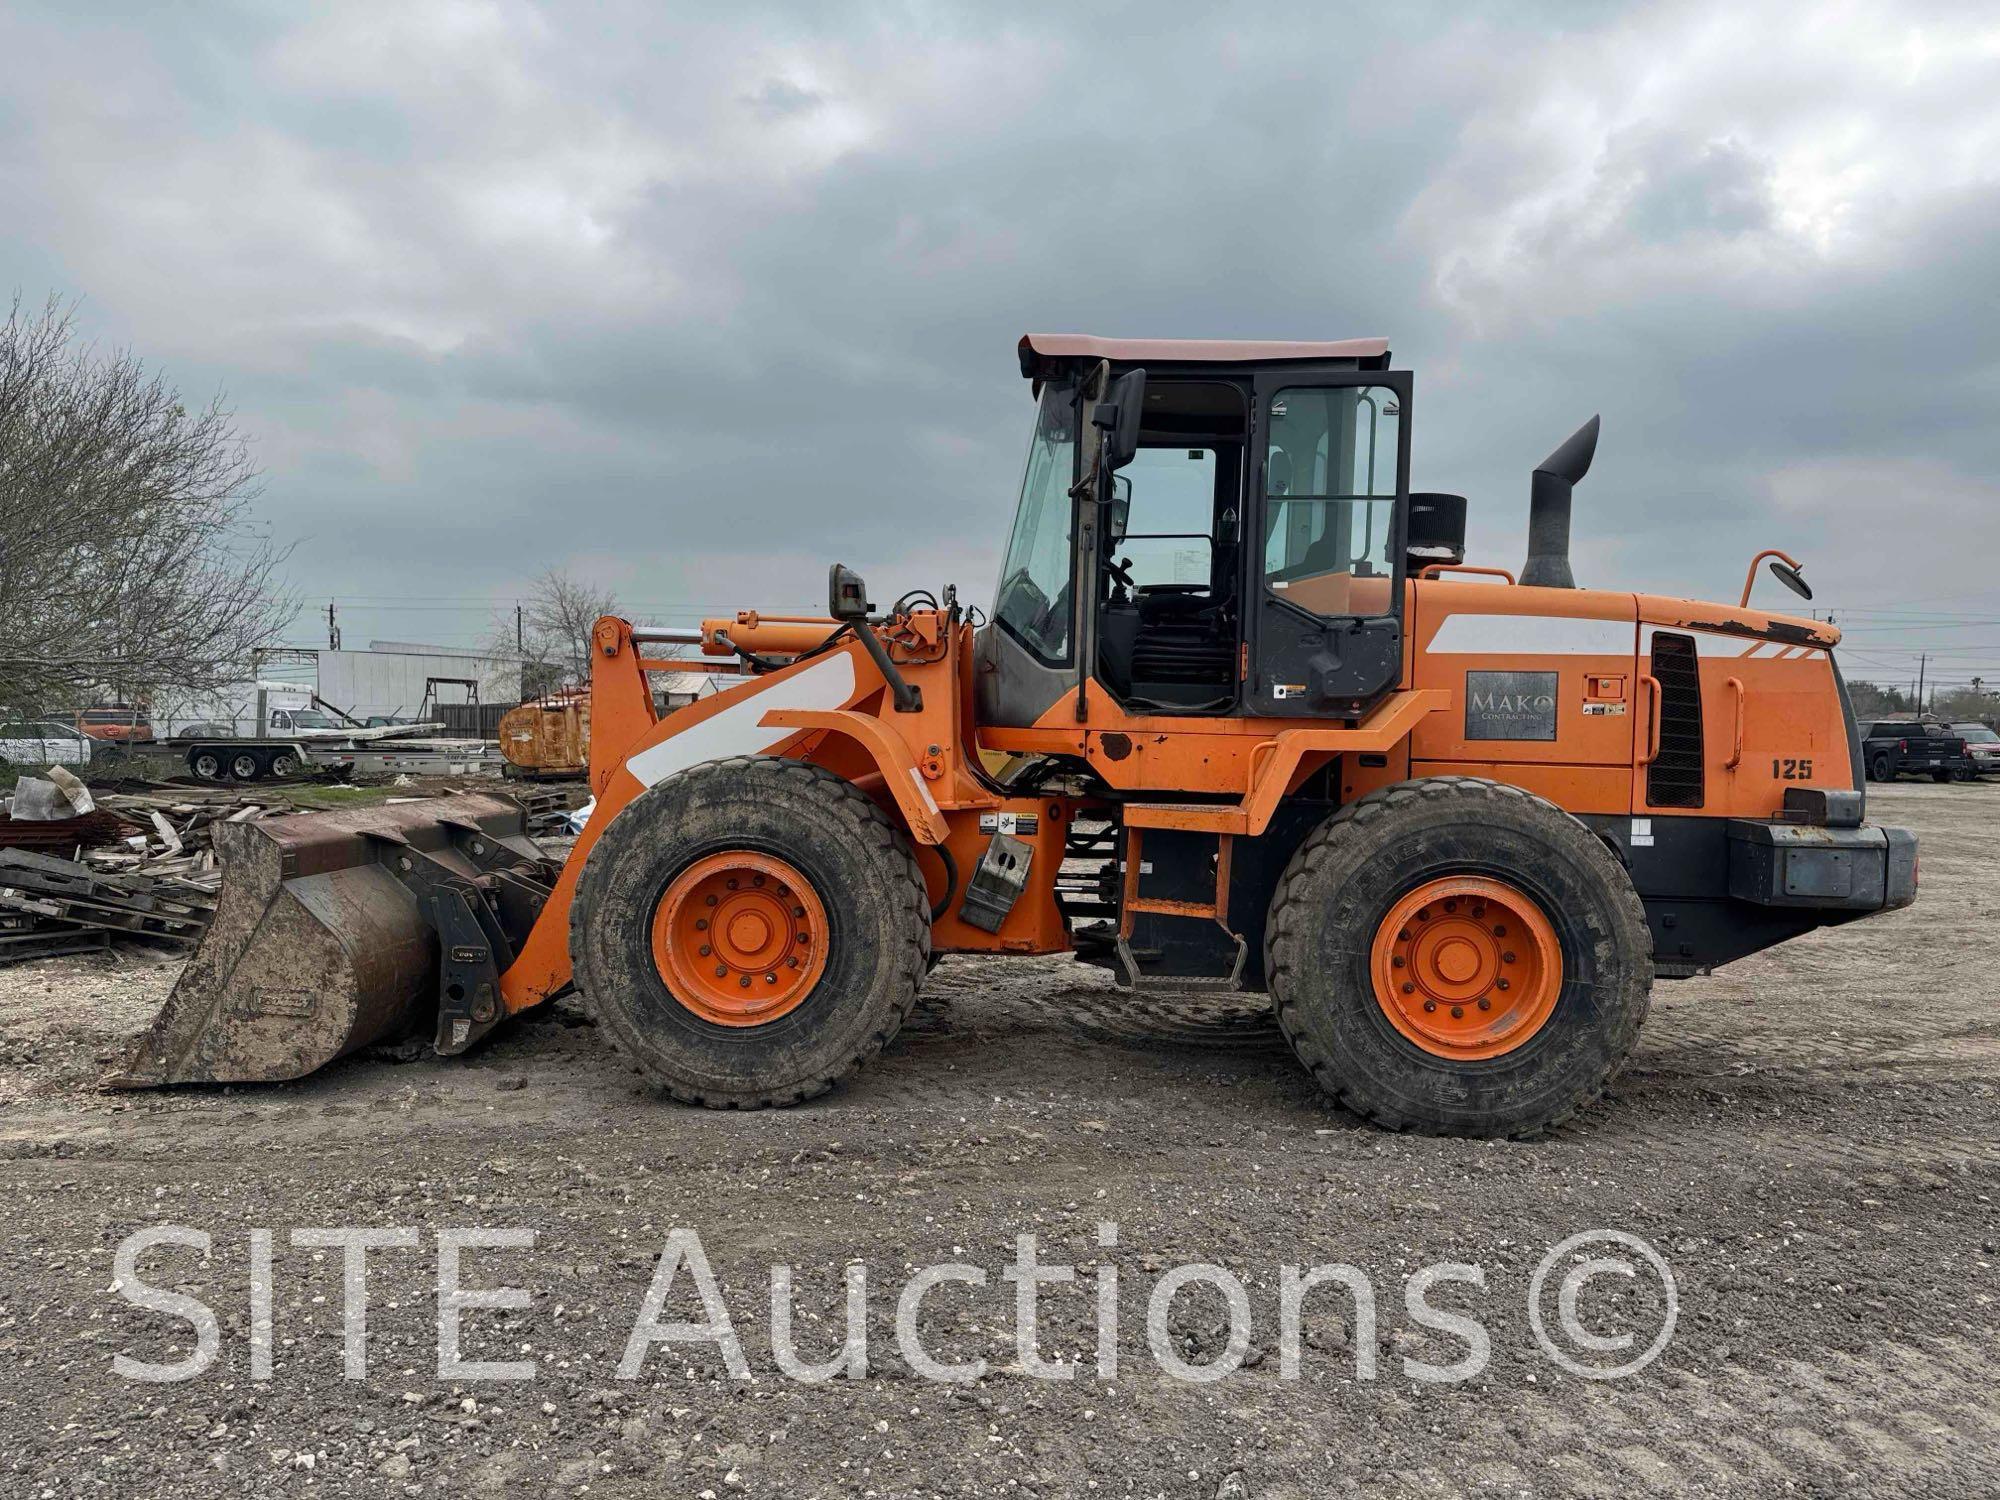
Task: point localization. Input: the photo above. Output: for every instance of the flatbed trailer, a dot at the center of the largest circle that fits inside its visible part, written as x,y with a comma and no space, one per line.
238,759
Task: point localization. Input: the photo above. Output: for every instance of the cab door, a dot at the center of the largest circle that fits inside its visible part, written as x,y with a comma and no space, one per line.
1324,584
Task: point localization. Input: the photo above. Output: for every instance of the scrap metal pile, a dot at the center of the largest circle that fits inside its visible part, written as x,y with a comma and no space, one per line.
77,870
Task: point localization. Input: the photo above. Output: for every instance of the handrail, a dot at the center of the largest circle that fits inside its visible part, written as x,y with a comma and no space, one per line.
1736,741
1433,570
1654,708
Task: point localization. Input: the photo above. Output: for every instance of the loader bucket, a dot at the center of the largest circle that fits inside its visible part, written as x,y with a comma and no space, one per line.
316,948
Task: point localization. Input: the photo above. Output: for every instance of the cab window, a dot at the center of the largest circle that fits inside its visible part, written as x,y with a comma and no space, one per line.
1033,601
1330,483
1169,516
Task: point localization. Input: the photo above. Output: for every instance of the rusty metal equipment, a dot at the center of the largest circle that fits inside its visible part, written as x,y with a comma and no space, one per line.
1241,715
547,737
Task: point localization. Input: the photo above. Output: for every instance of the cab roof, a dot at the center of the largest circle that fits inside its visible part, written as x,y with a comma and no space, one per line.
1046,354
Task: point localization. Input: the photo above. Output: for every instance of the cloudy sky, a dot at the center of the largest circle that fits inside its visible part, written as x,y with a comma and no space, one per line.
696,298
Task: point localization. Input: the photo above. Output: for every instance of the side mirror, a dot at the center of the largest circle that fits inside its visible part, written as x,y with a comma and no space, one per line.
1118,417
1791,579
1119,516
846,594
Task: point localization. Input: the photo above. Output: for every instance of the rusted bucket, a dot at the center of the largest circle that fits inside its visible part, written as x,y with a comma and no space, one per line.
316,947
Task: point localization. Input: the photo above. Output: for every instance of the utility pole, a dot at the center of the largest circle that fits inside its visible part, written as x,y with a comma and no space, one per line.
332,628
1923,661
520,634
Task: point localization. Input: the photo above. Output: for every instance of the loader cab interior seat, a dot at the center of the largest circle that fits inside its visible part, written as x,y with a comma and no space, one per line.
1169,614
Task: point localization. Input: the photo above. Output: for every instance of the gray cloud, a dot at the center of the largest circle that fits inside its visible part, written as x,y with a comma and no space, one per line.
701,304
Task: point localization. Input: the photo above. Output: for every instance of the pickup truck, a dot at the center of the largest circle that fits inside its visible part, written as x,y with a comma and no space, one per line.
1889,747
1982,744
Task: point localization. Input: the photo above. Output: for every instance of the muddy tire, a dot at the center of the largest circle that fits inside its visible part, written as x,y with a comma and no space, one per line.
642,892
1343,912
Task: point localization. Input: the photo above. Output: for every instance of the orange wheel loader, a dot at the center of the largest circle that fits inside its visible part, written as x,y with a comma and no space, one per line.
1241,715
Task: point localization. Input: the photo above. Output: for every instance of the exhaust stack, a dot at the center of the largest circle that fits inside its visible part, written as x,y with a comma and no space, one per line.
1548,509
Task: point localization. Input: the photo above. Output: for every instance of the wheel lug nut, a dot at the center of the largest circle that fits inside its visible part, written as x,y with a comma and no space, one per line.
770,979
1507,957
1484,1003
798,911
1505,984
704,950
1408,988
744,982
1423,914
1498,930
1396,962
720,970
1451,906
793,961
756,879
1403,936
1430,1005
711,900
733,882
1458,1012
701,924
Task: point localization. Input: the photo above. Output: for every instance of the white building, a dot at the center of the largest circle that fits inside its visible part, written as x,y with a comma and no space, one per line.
397,677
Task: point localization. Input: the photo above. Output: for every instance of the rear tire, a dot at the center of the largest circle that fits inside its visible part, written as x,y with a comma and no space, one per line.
1881,768
1326,942
771,814
284,763
245,766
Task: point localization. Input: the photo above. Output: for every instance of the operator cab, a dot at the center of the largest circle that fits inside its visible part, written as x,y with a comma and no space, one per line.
1244,554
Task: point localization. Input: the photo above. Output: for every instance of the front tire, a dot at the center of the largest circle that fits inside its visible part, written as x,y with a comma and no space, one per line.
700,894
1407,908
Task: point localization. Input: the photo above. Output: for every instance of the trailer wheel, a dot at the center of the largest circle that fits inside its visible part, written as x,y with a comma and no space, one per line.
284,763
1458,957
245,766
750,932
1881,768
206,764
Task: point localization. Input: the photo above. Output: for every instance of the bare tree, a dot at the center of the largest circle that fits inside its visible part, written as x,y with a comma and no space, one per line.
551,634
127,558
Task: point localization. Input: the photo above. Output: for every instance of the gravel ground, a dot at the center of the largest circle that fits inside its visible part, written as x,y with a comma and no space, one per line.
1807,1139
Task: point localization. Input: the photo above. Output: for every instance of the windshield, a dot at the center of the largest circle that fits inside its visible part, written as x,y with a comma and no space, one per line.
1977,733
1032,603
306,718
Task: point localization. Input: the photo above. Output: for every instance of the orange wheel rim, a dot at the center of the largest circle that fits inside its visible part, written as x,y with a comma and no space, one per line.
740,938
1466,967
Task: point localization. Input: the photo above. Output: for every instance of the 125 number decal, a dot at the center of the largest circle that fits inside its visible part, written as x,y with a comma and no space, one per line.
1791,770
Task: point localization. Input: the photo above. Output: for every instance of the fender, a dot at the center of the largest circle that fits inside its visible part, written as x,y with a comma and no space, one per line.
892,757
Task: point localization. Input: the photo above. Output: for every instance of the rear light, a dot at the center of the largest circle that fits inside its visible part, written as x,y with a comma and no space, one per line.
1902,747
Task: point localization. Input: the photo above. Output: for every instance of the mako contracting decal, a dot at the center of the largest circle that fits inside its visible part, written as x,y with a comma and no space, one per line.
1510,705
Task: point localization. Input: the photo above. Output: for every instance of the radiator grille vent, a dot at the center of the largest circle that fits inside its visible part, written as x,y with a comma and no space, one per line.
1674,779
